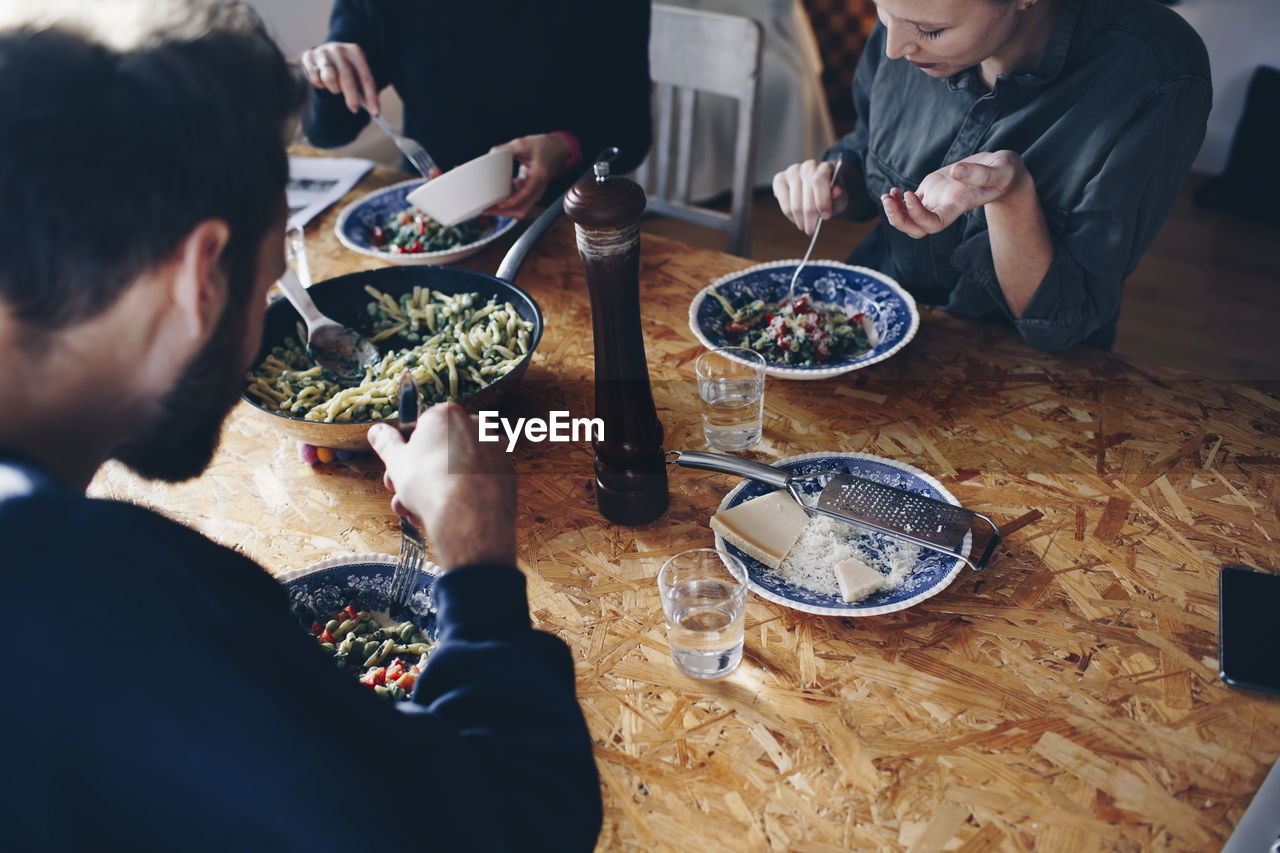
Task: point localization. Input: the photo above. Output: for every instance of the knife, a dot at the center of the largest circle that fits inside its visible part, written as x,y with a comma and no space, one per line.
409,398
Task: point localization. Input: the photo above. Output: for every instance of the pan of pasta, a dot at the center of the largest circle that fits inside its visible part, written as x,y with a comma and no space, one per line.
464,335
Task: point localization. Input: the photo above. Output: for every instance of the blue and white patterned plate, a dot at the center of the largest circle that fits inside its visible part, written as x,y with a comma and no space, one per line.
355,224
933,571
854,289
361,580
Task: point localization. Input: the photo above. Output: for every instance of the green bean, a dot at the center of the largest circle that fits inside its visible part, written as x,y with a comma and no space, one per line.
382,651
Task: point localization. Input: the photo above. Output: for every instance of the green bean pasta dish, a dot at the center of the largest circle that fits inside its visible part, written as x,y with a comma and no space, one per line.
808,335
412,232
453,345
387,658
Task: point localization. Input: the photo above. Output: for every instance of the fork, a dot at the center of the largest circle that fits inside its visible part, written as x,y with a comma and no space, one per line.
413,152
409,564
791,290
412,545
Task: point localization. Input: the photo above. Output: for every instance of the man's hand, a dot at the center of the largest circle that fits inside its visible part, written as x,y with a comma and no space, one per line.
805,193
460,492
341,68
948,193
541,157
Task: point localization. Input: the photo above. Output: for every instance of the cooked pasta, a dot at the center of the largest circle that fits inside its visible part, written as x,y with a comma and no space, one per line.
388,658
410,232
452,345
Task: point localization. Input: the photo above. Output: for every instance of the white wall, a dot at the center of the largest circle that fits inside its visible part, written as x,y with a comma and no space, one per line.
1240,35
299,24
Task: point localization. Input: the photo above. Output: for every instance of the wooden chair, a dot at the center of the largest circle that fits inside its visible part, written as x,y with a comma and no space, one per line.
691,52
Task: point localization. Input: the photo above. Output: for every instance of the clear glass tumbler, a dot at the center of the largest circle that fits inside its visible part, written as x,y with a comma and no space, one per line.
704,596
731,386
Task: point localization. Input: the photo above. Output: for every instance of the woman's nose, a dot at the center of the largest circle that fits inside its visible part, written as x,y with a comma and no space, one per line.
898,41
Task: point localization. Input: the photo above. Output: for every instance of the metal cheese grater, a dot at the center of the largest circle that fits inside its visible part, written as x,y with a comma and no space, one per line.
923,521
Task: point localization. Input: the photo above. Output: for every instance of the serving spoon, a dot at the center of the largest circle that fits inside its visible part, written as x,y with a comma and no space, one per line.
339,349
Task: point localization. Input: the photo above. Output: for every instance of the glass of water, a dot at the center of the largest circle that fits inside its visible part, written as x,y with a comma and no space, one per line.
731,386
704,596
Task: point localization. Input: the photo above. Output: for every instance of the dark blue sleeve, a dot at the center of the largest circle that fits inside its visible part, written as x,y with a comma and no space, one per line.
181,706
509,690
326,121
610,98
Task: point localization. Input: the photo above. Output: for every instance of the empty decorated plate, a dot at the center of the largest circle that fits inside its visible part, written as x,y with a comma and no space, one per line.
357,223
883,317
806,580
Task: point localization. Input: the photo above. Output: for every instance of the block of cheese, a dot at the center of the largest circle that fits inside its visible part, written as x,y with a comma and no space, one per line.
857,580
765,527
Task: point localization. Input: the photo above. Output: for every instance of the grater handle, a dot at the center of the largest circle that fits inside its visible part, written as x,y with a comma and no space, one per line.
734,465
991,546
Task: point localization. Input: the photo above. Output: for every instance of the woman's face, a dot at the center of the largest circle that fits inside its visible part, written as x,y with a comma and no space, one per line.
943,37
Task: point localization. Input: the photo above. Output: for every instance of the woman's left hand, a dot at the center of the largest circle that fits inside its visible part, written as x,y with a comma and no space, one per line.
541,157
944,195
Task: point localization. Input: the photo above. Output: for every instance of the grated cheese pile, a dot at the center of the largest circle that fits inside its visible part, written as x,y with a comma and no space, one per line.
825,542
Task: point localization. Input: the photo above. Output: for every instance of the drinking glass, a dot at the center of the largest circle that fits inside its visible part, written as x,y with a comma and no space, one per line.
731,386
704,597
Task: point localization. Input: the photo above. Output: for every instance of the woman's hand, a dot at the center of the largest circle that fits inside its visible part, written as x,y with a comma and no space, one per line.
541,157
805,194
460,492
949,192
340,68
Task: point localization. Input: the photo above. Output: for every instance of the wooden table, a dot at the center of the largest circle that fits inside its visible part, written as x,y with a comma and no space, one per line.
1065,699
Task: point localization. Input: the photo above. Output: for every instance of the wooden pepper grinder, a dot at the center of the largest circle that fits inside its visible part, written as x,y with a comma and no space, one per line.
631,474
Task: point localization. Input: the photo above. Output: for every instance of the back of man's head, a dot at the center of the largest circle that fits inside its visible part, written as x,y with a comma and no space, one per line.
126,123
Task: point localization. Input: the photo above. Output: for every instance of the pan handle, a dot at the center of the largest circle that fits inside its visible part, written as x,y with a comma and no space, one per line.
520,248
734,465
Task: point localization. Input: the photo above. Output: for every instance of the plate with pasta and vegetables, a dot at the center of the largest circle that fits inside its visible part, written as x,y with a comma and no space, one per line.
842,317
463,335
384,225
344,603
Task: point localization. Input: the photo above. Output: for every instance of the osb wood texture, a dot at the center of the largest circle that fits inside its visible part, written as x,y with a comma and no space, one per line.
1065,699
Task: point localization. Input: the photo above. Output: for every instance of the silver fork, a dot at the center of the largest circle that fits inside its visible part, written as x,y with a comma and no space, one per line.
413,152
791,290
409,565
412,545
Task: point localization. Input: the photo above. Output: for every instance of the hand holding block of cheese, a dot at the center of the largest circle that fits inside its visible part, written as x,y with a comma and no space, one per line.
764,528
857,580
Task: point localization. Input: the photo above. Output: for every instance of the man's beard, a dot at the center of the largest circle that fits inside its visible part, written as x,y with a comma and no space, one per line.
179,441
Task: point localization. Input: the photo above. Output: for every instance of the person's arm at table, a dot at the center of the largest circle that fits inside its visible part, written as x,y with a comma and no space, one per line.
999,182
508,688
1060,280
342,71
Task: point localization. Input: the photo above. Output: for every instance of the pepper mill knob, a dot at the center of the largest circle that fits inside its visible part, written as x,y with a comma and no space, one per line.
630,469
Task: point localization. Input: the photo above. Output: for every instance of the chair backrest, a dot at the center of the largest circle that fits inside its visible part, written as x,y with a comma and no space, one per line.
691,52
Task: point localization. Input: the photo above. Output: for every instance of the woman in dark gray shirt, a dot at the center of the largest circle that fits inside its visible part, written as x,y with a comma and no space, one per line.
1024,153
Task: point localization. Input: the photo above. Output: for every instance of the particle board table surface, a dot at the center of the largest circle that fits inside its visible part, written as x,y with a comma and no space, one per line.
1067,698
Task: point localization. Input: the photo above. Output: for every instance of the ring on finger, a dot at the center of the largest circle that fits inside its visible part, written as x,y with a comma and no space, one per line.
322,65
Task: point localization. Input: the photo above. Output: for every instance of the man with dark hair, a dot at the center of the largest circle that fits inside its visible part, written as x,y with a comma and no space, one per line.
160,695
